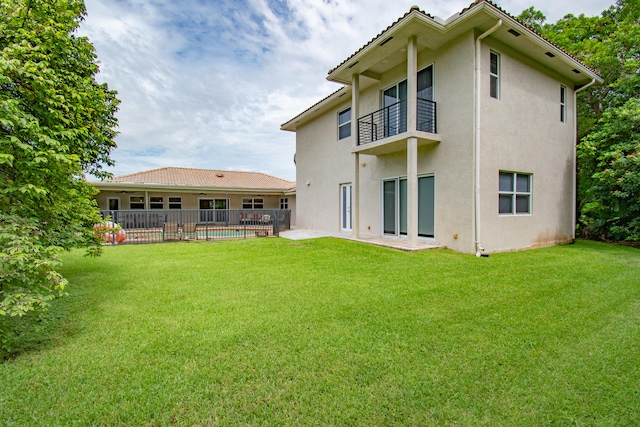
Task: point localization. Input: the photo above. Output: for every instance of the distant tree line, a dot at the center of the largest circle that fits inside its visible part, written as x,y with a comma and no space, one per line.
608,116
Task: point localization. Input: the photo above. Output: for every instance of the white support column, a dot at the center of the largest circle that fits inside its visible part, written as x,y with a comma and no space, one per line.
412,83
412,143
355,191
412,192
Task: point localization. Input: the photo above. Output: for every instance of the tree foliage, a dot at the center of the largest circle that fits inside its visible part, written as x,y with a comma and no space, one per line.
612,207
56,124
609,44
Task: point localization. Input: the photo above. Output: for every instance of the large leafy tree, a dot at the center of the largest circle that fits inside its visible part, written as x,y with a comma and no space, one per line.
609,44
56,124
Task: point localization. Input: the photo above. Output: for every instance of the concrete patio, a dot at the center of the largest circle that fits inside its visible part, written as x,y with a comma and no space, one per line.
389,242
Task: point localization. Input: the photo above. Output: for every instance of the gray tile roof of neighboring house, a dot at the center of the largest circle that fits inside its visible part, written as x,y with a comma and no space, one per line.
189,177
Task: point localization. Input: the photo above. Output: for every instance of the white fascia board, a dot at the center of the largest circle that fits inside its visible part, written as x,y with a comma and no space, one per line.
318,108
413,15
531,35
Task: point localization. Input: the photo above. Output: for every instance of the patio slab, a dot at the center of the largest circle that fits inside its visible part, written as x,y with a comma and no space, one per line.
389,242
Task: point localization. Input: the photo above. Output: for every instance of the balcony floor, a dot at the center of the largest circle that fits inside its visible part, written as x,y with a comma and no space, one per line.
396,143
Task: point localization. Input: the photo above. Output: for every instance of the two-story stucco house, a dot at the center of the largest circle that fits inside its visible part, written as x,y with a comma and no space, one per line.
459,132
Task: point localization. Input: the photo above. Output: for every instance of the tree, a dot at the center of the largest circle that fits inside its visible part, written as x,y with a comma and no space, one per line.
609,44
533,18
56,124
612,202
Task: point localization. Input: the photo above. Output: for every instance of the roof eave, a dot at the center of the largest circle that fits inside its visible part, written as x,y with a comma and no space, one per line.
131,186
414,14
534,37
316,109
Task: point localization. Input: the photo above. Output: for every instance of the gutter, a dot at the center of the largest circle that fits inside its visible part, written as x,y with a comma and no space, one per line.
574,218
476,147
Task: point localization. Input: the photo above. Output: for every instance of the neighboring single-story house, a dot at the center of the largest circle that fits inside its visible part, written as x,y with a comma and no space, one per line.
172,188
457,131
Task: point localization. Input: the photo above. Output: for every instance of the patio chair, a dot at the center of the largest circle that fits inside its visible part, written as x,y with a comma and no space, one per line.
170,231
266,219
189,230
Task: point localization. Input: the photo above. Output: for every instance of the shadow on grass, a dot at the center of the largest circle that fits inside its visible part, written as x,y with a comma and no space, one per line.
37,331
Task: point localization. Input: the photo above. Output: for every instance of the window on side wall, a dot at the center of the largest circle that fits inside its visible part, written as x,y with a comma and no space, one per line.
494,75
563,104
284,203
344,124
514,193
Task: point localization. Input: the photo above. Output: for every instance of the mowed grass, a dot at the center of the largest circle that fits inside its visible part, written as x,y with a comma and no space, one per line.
333,332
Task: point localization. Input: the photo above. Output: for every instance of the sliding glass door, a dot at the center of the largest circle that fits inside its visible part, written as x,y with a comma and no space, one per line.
394,206
395,111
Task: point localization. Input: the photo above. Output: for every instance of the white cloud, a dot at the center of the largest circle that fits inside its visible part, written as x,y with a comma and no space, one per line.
207,84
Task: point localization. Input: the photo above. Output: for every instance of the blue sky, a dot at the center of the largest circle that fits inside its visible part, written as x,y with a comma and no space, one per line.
207,83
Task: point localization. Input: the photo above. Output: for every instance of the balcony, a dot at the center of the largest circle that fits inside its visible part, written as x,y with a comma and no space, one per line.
385,131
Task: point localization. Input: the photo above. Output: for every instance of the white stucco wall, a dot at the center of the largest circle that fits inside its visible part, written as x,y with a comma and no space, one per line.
322,163
522,132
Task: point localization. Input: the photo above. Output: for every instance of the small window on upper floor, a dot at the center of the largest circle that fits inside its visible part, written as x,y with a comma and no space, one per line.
563,104
344,124
494,75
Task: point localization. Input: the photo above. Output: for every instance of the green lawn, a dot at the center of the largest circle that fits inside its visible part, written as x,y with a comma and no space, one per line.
333,332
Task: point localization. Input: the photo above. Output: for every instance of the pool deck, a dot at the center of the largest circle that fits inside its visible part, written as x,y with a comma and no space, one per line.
389,242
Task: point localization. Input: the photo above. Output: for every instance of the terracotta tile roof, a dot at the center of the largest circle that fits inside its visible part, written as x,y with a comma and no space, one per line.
188,177
495,6
465,10
313,106
381,34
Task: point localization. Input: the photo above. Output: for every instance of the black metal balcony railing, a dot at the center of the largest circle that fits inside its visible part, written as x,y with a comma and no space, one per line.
426,116
392,120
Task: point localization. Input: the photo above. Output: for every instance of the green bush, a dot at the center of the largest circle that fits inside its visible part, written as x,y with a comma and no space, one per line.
28,276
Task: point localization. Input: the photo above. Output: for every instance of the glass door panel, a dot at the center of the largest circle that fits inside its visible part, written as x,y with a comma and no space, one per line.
426,206
425,83
345,210
403,207
220,206
395,111
206,205
389,207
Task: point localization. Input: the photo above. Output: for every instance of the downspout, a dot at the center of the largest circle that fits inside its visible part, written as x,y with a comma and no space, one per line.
575,158
476,147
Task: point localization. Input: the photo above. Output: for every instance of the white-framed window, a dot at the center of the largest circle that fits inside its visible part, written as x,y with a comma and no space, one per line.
156,202
344,124
136,202
175,202
514,193
494,75
284,203
563,104
249,203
